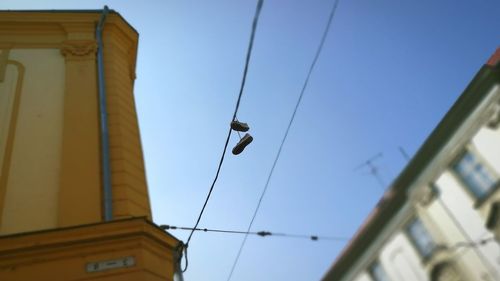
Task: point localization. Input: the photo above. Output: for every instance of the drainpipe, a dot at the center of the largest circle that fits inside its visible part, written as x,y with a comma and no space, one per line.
105,159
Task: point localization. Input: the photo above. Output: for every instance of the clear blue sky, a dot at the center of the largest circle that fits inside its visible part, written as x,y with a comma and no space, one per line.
389,72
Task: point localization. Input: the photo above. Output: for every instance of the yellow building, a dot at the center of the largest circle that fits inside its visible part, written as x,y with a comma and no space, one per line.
73,196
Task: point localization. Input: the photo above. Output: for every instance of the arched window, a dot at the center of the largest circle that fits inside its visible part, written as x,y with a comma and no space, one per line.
445,271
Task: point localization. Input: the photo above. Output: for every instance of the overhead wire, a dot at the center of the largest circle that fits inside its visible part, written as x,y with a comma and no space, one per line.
472,244
247,61
262,233
318,52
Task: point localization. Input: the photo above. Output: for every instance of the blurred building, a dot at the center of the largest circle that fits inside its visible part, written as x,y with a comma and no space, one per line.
74,202
440,219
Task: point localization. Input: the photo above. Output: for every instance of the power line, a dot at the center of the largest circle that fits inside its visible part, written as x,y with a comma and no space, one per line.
472,244
247,61
318,52
262,233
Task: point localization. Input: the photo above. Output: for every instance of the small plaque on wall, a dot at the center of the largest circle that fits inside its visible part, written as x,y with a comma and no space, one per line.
99,266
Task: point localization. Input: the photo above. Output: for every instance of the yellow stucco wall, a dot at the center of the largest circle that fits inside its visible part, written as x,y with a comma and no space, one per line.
32,185
65,254
49,129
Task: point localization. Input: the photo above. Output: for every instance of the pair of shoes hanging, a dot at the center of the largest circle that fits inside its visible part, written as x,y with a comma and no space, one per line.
245,140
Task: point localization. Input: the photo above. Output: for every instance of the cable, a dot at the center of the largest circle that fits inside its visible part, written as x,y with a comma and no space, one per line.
249,51
472,244
468,245
179,249
318,52
259,233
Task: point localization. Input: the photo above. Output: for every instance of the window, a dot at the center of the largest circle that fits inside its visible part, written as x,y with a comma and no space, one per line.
377,272
445,271
421,238
475,175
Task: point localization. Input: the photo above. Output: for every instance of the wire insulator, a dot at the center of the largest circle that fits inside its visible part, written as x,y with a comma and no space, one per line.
264,233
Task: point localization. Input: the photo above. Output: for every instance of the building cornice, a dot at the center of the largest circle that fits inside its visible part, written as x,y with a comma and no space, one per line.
53,29
71,251
23,245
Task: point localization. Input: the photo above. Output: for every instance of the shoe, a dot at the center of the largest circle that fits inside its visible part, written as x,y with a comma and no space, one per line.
240,146
239,126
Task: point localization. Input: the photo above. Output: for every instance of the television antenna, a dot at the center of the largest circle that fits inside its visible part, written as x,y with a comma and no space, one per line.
404,153
373,169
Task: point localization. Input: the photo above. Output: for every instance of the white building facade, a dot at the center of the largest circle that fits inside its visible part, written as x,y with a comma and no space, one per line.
440,219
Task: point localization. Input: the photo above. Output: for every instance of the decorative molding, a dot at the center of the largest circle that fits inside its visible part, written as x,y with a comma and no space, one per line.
5,166
423,196
492,221
429,193
79,50
132,55
84,27
4,56
494,122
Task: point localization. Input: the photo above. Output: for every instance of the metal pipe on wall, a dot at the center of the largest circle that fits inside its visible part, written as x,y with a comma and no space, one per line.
105,155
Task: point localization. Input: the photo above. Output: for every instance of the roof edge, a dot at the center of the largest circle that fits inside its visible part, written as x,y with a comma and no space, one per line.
89,11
